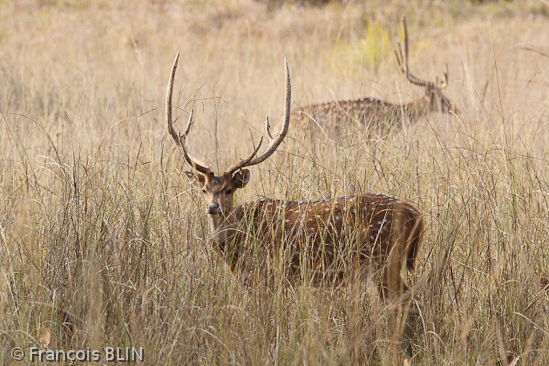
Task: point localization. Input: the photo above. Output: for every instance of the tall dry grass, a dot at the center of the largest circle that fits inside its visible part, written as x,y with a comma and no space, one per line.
103,241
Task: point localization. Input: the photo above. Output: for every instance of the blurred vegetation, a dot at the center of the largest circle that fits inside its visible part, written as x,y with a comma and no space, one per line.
103,242
369,51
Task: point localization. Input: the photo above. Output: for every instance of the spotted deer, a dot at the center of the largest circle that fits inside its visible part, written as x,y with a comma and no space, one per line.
313,240
376,113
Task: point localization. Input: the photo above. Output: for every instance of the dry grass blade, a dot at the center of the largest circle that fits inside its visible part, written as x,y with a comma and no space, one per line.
103,242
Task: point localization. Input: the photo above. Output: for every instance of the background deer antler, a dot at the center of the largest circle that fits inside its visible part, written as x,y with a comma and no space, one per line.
403,64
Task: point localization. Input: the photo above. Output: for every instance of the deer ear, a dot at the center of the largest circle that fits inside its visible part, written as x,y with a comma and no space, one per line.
241,178
197,179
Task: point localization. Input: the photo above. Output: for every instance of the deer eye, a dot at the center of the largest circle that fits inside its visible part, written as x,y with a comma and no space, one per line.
228,191
204,191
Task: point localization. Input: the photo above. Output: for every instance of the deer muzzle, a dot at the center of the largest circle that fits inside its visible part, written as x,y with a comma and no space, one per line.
212,209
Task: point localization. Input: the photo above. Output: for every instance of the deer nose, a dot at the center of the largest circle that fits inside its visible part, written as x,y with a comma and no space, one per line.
212,209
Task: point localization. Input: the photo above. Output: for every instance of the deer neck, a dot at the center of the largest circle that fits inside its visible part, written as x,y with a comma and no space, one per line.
417,108
221,227
218,224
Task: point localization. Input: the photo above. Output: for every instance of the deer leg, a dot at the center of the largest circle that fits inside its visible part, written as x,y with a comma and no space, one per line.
393,287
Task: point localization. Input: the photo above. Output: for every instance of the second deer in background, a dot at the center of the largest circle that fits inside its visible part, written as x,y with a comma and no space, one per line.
377,113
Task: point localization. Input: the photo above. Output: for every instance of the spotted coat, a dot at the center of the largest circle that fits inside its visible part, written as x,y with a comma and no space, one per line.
363,110
376,114
321,235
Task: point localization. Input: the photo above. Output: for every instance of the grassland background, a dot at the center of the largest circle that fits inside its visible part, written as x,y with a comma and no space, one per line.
102,239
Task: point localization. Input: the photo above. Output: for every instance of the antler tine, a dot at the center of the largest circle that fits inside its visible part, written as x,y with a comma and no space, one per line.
268,128
444,83
180,139
281,135
399,57
406,46
242,163
194,162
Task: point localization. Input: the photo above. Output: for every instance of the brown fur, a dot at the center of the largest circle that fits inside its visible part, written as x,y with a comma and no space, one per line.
317,241
370,112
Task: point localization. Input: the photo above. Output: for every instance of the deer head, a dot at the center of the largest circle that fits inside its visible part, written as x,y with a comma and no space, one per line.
219,190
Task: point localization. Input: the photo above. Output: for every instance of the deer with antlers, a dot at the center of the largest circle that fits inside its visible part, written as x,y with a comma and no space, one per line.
374,112
317,240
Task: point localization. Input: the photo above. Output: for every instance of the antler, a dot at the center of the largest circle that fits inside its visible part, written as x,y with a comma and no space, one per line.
279,138
403,64
180,139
